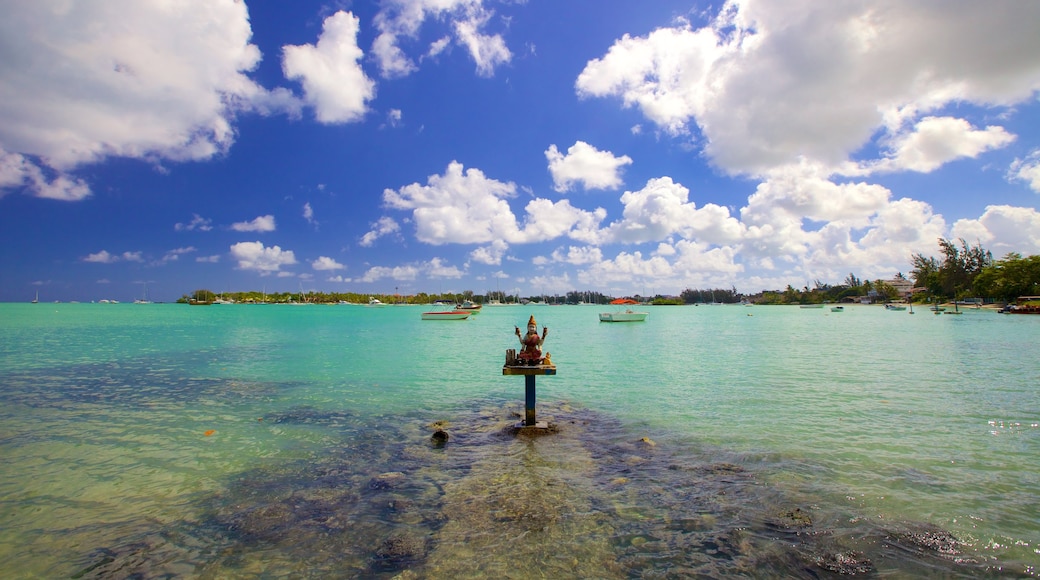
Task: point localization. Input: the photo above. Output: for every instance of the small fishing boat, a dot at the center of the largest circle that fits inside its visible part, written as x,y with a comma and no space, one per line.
470,306
837,309
447,315
623,316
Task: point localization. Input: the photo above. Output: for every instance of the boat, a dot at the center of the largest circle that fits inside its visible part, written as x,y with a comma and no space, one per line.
447,315
37,299
837,309
627,315
810,306
375,302
1024,305
894,307
470,306
623,316
144,297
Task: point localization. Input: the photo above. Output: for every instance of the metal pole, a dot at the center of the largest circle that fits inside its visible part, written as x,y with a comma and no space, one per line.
529,419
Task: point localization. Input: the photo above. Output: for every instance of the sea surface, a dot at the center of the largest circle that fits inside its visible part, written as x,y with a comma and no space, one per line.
276,441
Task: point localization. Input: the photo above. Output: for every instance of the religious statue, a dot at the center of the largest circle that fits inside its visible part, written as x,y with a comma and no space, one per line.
531,351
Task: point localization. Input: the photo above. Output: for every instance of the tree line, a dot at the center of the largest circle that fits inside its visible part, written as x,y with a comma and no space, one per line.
960,272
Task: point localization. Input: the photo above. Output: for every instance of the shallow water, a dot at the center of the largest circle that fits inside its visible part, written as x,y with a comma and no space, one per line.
242,441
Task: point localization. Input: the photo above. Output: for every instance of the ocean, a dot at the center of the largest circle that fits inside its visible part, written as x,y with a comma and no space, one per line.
278,441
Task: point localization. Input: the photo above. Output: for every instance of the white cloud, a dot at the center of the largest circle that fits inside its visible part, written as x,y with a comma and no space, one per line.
175,254
488,51
458,207
208,259
578,255
383,227
1002,229
767,84
626,268
103,257
144,79
1027,170
399,273
585,164
662,208
435,268
17,171
467,18
308,213
333,81
490,254
197,223
326,263
937,140
264,223
255,256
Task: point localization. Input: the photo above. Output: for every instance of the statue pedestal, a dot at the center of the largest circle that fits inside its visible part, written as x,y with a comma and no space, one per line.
529,372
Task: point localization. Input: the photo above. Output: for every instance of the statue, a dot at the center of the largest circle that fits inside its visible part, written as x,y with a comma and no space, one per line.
531,352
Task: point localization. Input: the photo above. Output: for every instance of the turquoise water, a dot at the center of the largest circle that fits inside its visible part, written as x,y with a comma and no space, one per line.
294,441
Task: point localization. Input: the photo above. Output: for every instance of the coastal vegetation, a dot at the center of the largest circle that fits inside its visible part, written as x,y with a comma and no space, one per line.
961,272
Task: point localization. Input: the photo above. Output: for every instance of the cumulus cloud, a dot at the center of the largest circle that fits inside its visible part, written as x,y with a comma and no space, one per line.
399,273
330,72
384,226
308,213
935,141
766,84
1002,229
467,18
143,79
326,263
584,164
435,268
17,171
662,208
490,254
1027,170
256,257
578,255
464,206
197,223
264,223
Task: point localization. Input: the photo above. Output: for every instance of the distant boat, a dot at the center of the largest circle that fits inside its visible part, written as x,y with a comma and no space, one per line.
623,316
894,307
375,302
447,315
837,309
144,297
37,299
810,306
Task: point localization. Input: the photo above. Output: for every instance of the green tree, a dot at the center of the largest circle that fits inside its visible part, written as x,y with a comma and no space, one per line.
1010,277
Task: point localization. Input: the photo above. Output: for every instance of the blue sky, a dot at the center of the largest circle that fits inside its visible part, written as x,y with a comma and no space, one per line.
532,147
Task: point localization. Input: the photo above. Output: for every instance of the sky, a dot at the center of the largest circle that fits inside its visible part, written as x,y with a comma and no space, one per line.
151,148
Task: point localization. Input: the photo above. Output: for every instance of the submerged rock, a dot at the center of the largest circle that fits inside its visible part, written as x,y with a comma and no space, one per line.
439,438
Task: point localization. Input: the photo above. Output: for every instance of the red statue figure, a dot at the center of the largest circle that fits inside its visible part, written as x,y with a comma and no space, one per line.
531,353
